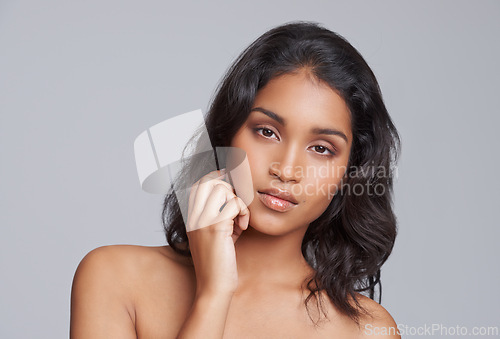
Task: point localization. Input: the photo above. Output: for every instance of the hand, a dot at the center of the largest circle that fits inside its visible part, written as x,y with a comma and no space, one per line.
212,232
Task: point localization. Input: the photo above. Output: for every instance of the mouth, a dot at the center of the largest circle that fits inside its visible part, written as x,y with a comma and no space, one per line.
277,200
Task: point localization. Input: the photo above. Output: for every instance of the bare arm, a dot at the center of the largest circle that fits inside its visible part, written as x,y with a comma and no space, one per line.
212,232
207,317
99,306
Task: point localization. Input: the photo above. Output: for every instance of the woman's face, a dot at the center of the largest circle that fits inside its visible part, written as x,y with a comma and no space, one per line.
297,139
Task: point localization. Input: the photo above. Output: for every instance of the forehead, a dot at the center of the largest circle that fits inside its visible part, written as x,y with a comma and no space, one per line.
303,100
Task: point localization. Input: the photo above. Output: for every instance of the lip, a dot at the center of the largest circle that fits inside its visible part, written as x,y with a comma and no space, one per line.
277,200
282,194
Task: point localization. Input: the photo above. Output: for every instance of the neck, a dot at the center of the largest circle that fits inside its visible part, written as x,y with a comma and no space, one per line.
265,260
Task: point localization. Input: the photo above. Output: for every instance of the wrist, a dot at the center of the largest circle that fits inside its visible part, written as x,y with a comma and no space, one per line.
211,295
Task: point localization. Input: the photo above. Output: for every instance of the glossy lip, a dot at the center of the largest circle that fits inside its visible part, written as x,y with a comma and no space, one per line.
283,195
277,200
275,203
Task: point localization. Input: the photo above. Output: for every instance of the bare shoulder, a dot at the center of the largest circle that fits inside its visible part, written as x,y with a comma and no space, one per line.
131,262
114,285
379,323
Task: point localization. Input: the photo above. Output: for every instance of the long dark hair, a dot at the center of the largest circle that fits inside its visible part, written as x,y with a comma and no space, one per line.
351,240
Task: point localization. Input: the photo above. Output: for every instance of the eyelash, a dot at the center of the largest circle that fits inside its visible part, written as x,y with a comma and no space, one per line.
258,130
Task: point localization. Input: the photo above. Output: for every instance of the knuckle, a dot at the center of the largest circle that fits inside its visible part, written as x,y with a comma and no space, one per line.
204,180
232,204
207,177
221,186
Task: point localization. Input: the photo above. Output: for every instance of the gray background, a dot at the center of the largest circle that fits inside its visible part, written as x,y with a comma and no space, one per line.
80,80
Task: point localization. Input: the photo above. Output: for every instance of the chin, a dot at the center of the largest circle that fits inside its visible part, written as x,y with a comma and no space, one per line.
266,229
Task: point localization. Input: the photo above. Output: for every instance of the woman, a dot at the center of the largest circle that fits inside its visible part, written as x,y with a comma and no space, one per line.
321,147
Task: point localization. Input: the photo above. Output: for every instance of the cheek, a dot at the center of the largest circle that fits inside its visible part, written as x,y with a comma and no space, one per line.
256,155
322,184
258,163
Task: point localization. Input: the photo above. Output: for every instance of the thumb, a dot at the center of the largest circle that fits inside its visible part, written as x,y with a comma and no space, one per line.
241,220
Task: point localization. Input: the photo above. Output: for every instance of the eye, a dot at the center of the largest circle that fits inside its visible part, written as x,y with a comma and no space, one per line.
323,150
266,132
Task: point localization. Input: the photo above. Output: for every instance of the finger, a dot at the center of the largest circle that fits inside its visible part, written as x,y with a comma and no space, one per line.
243,217
241,220
194,187
217,199
236,233
234,208
202,190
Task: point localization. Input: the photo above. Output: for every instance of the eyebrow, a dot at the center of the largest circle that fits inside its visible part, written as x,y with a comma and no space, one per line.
279,119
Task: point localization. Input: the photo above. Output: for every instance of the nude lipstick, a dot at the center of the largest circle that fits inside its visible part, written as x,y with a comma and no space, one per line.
281,201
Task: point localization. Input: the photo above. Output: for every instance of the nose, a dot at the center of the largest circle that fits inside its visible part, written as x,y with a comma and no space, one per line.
287,164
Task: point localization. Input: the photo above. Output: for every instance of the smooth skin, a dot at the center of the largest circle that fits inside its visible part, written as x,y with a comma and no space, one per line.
247,275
